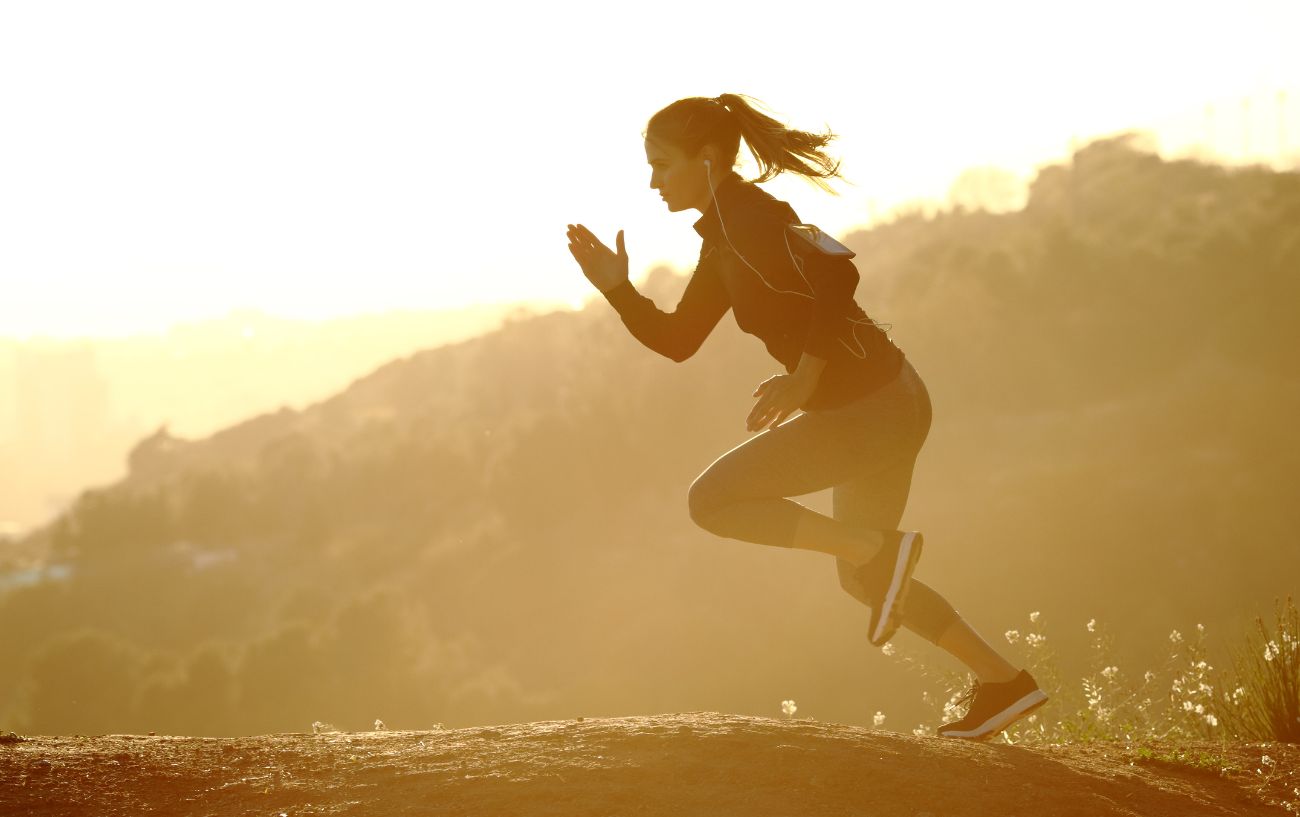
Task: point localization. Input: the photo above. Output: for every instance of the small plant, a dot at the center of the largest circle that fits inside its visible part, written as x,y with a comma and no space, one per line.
318,728
1175,701
1263,700
789,708
1267,779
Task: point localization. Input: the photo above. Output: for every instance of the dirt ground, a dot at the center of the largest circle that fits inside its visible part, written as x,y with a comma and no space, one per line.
688,764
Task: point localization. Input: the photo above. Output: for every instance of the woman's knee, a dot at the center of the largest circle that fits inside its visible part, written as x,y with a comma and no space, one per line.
703,500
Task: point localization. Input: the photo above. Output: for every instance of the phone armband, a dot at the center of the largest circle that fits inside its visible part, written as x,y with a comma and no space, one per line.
820,240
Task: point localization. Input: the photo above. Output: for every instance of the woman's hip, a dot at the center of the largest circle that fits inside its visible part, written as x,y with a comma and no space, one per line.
898,413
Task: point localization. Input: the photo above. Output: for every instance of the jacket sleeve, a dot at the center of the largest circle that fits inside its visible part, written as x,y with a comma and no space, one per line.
677,334
760,237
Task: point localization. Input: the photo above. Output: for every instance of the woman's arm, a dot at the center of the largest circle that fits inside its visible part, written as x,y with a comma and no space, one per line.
810,367
680,333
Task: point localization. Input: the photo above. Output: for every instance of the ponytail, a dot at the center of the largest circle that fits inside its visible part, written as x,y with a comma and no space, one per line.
691,123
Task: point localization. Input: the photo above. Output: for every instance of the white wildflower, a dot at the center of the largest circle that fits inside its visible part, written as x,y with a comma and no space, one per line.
1266,760
1034,639
1175,637
1148,676
1271,650
1187,706
1012,636
878,719
1092,625
1200,709
1211,720
379,725
1200,628
1034,617
888,649
788,708
1109,672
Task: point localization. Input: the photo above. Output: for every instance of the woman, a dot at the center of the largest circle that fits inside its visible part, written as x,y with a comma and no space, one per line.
865,411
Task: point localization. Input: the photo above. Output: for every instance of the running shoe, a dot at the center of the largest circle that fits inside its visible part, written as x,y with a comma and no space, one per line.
886,579
994,707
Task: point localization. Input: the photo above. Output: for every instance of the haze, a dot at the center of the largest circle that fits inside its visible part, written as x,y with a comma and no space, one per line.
166,162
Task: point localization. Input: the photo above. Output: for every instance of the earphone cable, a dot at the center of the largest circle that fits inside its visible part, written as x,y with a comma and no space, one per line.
798,266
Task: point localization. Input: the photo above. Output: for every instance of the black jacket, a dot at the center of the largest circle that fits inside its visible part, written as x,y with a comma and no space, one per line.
859,357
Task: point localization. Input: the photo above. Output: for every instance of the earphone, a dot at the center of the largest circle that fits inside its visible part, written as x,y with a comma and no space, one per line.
798,266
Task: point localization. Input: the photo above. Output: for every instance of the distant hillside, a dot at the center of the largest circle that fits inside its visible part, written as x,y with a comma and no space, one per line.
496,530
71,409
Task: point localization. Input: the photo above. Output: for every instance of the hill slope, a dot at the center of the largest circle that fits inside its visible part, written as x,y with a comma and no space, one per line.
683,765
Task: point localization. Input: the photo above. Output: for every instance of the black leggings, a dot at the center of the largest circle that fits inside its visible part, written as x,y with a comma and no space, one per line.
865,451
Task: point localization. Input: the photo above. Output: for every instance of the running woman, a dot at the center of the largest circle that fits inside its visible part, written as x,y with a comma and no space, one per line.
865,412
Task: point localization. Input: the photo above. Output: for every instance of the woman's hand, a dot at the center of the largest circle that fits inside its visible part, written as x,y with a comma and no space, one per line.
778,397
604,268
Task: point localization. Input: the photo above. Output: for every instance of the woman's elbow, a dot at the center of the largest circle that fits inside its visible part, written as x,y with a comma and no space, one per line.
681,354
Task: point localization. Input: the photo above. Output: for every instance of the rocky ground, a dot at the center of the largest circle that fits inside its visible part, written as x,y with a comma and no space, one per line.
699,763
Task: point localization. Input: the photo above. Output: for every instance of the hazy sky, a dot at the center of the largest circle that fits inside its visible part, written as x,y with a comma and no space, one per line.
173,160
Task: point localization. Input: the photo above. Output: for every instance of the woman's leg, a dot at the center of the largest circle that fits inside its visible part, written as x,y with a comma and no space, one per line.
966,645
742,494
867,453
876,502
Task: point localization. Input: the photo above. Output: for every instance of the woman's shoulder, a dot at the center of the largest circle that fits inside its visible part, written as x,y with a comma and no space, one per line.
761,220
746,218
758,214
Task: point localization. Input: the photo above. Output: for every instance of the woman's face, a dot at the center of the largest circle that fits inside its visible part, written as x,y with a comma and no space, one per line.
680,180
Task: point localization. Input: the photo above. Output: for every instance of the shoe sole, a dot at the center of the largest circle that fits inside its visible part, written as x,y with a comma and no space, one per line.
909,551
1001,720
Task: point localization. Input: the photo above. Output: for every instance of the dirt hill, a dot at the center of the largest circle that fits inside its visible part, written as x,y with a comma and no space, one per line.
697,763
